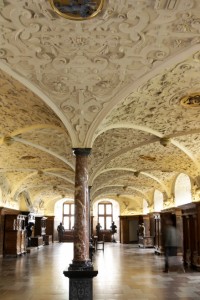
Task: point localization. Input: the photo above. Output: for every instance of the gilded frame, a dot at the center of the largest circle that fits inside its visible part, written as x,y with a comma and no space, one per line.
70,16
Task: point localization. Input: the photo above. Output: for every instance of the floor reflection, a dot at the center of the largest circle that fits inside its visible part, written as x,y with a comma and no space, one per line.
124,272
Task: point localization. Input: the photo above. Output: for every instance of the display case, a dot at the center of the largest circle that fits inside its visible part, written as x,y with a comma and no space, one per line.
14,235
191,233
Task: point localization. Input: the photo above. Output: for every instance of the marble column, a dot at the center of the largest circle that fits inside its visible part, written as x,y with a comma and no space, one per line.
89,200
81,271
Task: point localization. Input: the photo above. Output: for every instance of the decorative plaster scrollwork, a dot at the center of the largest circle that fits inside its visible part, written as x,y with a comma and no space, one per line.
81,111
103,56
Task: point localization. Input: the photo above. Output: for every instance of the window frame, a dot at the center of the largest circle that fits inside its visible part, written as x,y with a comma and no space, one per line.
105,215
69,215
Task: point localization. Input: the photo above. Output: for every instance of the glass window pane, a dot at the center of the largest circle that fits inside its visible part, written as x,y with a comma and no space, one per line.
101,209
66,222
66,208
72,222
108,209
108,222
72,209
101,221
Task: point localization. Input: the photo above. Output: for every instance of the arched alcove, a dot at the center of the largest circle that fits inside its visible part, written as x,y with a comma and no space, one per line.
182,190
158,201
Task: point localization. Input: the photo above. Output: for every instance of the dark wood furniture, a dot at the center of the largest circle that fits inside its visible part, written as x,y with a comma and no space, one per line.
50,226
40,226
191,234
3,212
14,235
129,228
37,241
105,235
158,244
68,236
47,239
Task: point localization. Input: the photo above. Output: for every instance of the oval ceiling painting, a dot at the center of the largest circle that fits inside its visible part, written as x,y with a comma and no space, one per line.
77,9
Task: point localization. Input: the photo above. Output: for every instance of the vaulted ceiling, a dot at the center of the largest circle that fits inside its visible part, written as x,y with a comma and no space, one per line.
118,83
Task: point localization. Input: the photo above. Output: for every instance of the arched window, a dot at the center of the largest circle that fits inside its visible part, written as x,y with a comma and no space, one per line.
158,201
68,215
183,192
105,215
145,207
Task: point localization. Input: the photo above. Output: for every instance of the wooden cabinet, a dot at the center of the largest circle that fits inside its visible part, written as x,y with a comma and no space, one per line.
12,243
37,241
14,235
40,226
105,235
124,230
68,236
129,228
191,234
44,226
50,226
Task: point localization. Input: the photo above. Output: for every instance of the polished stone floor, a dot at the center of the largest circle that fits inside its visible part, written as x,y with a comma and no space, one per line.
126,272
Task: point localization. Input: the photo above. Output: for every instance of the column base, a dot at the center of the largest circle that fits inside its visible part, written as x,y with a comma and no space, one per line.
80,284
85,265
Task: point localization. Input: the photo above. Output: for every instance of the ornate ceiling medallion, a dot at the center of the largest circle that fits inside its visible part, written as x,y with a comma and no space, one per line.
192,100
77,9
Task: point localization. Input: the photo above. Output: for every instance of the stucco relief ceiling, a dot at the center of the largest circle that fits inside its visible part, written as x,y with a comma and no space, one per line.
113,83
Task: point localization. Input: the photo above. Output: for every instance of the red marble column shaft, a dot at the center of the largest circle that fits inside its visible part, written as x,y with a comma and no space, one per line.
81,234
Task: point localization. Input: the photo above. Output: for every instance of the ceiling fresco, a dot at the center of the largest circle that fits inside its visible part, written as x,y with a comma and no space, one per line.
125,83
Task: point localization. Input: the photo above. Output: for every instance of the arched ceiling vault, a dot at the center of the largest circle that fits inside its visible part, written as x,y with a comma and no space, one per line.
116,83
126,172
95,130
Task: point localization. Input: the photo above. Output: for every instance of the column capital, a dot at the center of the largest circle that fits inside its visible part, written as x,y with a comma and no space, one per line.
81,151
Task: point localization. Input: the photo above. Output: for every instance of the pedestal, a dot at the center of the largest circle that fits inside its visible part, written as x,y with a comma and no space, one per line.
80,284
